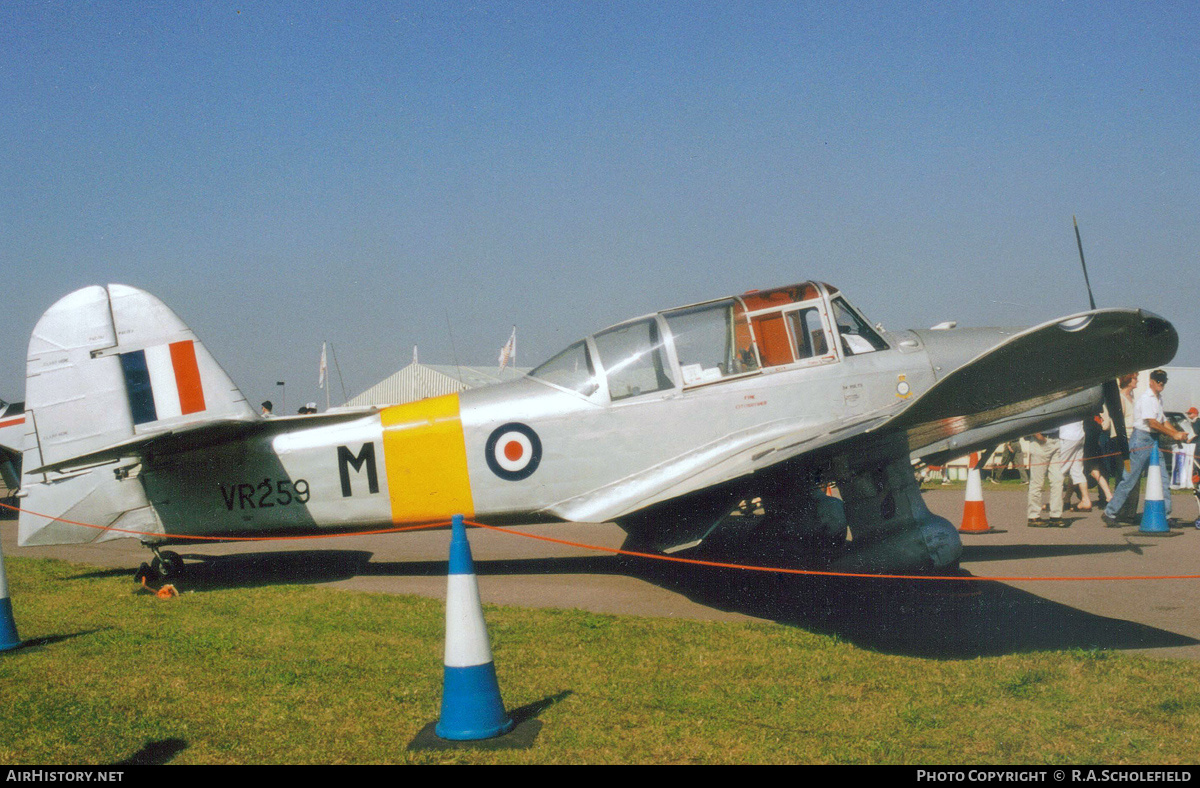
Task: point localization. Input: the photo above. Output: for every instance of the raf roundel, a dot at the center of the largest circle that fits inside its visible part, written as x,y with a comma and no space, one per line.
513,451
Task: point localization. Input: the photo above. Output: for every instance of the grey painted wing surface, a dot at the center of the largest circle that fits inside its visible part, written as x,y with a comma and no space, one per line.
720,461
1036,367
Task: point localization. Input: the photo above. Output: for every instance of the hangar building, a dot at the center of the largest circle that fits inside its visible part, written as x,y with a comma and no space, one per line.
419,381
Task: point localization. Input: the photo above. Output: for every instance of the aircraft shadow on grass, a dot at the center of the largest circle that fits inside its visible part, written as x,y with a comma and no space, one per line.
959,619
252,570
935,619
285,567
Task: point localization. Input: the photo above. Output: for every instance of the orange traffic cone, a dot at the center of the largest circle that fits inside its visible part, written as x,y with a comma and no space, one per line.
974,516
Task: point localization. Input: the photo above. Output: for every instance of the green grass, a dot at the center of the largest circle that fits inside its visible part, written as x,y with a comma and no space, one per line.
297,674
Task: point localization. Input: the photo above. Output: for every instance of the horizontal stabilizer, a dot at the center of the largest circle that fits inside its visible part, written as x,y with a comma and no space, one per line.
197,436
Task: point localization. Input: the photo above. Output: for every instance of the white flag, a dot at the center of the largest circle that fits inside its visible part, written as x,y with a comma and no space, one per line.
323,369
509,351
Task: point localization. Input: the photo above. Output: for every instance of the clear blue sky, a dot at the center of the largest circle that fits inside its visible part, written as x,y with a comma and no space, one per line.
380,175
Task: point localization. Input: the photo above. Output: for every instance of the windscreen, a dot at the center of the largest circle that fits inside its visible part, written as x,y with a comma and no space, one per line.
857,337
572,369
633,359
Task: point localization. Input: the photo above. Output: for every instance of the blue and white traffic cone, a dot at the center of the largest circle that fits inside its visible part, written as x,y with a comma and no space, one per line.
1154,512
471,704
8,627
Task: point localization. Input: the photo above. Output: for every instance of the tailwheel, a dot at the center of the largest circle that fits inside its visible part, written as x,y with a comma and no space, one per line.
166,565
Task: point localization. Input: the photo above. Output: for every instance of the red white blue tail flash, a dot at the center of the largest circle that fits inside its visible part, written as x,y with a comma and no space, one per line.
471,704
163,382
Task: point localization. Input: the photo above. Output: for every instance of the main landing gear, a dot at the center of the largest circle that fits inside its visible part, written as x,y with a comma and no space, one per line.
166,565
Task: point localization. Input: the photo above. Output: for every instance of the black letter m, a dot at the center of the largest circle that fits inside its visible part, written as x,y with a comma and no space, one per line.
346,460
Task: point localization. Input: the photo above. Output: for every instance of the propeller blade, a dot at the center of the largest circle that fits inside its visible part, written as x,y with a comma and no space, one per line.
1087,283
1112,392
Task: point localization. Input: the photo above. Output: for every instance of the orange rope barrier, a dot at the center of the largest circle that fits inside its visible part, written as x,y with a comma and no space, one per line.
781,570
1081,459
615,551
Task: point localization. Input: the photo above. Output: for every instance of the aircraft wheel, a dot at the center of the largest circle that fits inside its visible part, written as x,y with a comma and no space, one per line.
168,564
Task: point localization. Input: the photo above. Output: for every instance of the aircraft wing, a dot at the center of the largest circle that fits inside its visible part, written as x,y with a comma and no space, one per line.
1029,371
1038,366
733,456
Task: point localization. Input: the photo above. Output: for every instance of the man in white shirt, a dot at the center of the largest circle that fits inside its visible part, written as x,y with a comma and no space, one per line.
1148,422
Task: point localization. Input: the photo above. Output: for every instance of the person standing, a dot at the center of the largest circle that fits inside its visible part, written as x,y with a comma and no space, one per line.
1194,418
1071,457
1148,422
1095,443
1127,383
1044,461
1011,455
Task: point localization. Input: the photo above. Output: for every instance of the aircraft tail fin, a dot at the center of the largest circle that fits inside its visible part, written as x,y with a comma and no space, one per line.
108,365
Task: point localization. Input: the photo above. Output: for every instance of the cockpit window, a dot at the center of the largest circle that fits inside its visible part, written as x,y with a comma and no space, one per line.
809,333
572,369
771,335
634,360
857,337
712,341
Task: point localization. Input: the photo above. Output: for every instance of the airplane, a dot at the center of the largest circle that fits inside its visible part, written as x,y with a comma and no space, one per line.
717,426
12,436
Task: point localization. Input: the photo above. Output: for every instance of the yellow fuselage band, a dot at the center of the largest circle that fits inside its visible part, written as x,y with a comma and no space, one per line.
426,458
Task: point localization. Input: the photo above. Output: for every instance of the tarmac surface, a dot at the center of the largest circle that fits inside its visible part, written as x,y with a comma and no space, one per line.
1021,611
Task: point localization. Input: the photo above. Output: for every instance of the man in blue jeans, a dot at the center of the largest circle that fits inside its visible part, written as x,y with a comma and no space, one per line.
1148,422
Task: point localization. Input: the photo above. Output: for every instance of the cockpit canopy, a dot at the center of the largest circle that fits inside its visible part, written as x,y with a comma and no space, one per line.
706,343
